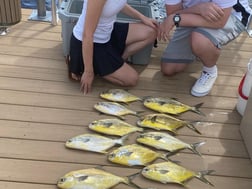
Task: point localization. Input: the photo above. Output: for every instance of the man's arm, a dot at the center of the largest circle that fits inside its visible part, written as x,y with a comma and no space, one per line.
201,15
207,15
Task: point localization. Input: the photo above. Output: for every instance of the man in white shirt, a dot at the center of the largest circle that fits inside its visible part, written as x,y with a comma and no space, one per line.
202,28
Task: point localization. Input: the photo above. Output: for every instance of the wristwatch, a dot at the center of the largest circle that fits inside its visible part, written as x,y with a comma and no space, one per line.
176,19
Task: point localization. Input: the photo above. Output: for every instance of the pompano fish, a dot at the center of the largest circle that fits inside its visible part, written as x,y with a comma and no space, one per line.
164,141
169,105
113,127
164,122
93,142
169,172
134,154
92,178
119,95
114,108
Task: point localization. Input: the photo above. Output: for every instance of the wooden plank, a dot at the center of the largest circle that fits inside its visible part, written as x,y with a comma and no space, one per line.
31,149
67,89
23,171
41,109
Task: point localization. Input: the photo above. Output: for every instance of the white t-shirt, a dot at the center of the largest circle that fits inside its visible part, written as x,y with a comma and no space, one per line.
189,3
105,24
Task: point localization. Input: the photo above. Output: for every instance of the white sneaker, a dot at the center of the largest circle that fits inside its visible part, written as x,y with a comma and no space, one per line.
204,84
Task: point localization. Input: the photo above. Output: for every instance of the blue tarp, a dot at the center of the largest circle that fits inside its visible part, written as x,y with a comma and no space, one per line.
32,4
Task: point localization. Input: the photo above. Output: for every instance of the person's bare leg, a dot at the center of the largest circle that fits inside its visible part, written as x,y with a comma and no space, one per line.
124,76
139,36
203,48
170,69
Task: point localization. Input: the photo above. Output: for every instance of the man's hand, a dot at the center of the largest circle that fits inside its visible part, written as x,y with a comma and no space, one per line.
165,28
210,11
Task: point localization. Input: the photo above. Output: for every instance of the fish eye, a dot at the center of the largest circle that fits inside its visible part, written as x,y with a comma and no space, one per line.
140,136
70,140
145,169
111,155
62,179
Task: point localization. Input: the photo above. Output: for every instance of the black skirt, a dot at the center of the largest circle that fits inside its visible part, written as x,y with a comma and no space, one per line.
107,57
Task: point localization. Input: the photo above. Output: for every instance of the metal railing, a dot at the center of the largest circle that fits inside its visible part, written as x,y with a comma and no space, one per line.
41,14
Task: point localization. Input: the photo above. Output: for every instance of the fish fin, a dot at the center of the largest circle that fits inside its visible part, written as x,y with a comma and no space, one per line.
201,176
129,180
122,140
103,152
191,126
196,109
121,117
145,97
173,98
166,156
195,146
138,113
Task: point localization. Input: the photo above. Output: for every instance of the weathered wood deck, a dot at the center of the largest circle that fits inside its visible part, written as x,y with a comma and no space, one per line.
41,109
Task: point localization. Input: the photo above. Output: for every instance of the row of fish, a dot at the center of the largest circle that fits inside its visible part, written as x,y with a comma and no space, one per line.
99,143
159,104
164,172
134,154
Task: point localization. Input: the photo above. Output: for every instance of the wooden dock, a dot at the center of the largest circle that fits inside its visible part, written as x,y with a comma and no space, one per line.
41,109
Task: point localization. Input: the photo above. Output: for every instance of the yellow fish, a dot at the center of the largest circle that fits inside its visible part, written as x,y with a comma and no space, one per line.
92,178
164,141
113,127
114,108
169,172
169,105
93,142
134,154
164,122
119,95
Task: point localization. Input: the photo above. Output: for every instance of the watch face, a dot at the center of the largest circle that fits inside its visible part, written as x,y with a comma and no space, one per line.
176,19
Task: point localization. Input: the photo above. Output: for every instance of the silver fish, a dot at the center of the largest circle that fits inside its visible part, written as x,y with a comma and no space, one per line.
114,108
94,142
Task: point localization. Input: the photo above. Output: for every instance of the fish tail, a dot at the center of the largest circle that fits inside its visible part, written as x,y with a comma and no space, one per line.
121,118
122,140
195,146
138,113
196,109
128,180
191,126
201,176
166,156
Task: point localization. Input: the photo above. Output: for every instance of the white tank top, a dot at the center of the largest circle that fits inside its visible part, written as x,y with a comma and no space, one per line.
105,24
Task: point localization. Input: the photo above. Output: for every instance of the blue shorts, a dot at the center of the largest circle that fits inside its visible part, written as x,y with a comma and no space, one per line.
107,57
179,47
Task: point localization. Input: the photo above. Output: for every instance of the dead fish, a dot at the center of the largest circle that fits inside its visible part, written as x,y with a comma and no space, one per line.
164,141
119,95
114,108
92,178
113,127
169,172
169,105
134,154
93,142
164,122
